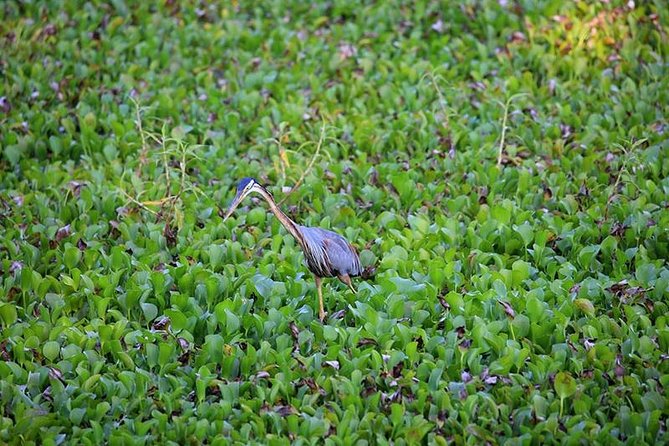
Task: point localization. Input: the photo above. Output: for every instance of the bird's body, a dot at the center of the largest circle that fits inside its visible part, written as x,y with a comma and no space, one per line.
326,253
329,254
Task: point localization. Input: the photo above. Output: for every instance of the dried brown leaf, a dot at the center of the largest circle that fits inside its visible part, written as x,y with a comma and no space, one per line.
507,309
62,233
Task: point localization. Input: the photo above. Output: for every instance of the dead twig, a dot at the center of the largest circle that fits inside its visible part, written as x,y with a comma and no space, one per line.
135,201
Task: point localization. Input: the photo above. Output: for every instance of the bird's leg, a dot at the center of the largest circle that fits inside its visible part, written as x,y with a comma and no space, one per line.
347,280
321,311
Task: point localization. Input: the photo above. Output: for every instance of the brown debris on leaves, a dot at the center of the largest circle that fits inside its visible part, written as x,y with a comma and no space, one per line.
161,324
510,313
63,232
170,232
369,272
623,291
346,51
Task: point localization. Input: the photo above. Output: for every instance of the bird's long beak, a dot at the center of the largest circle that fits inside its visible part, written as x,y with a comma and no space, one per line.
238,199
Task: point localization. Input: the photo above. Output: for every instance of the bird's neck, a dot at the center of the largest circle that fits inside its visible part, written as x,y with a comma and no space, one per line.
283,218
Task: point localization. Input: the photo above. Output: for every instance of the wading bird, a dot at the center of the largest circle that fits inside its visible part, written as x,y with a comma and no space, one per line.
327,254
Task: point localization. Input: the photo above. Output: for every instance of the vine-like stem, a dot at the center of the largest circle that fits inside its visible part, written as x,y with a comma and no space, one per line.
321,138
136,201
440,94
169,206
628,155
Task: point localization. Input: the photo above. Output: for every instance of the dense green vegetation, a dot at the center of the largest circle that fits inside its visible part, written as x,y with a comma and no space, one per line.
502,166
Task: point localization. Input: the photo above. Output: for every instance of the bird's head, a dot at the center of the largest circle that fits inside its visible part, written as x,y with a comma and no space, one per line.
245,187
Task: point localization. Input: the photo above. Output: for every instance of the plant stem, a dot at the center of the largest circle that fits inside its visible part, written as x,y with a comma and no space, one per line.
308,169
446,122
500,150
140,129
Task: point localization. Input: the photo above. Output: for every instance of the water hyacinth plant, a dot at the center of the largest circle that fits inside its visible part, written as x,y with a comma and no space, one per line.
501,168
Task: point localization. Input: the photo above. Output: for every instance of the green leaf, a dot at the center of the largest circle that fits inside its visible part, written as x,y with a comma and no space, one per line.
585,306
231,322
520,272
330,333
419,223
564,384
646,274
54,300
8,313
526,231
535,309
150,311
396,414
77,415
71,257
177,319
435,378
216,254
587,255
51,350
181,131
256,216
13,154
263,285
91,382
521,325
165,351
395,358
500,288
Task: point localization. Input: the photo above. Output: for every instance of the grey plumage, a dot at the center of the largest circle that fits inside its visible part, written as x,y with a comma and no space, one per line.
329,254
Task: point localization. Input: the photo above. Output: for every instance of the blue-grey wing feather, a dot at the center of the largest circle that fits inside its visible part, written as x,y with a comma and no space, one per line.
329,253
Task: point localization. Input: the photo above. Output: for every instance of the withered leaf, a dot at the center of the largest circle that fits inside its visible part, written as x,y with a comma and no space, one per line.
54,373
366,341
507,309
346,50
284,411
465,344
75,187
369,272
618,229
62,233
294,330
170,233
262,375
333,364
619,369
338,314
161,323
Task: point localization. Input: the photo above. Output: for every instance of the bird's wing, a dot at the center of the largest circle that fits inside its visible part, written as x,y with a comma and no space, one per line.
333,249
